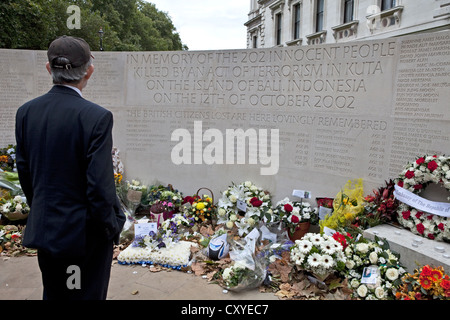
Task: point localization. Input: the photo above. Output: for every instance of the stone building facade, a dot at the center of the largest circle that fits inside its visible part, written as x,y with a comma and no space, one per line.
303,22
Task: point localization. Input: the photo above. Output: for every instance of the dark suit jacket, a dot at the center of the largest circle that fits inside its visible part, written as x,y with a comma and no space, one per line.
65,168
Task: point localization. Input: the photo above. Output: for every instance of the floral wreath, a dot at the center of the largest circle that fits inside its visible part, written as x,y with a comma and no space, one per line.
415,177
255,201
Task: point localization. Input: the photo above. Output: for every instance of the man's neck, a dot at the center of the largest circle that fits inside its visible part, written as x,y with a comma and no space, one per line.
74,87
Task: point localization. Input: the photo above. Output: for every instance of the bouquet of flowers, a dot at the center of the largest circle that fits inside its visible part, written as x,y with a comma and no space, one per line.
384,265
238,277
292,213
415,177
15,209
8,158
381,207
347,205
243,206
158,193
318,254
117,165
201,209
168,233
10,238
247,270
426,283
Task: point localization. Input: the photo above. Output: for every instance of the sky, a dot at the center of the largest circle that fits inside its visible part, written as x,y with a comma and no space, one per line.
208,24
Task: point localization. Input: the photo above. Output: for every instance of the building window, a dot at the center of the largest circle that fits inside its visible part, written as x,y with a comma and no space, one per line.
348,10
297,21
255,41
278,22
319,15
387,4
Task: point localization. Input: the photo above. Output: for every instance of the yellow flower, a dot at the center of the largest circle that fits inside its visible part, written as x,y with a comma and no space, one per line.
200,206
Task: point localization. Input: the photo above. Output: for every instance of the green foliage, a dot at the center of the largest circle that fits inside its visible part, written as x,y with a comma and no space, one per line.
128,25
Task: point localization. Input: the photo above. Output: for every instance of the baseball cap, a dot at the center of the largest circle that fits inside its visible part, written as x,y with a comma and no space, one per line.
76,50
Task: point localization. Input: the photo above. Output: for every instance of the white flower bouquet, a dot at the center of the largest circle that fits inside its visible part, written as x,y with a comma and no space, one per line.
15,209
318,254
384,265
247,271
291,213
244,205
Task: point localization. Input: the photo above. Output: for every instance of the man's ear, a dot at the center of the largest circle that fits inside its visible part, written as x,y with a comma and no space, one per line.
89,72
47,65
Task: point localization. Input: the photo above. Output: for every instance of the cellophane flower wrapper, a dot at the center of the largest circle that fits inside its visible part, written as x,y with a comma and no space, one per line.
347,205
246,272
127,232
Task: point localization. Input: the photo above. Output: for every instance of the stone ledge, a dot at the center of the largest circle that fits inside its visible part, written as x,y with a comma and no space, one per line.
414,250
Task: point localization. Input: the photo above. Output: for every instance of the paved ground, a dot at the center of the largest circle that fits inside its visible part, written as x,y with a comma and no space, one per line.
20,279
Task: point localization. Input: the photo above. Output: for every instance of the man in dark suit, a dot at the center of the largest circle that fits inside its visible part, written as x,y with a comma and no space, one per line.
64,161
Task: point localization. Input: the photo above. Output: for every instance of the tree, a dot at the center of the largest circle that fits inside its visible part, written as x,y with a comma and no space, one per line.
128,25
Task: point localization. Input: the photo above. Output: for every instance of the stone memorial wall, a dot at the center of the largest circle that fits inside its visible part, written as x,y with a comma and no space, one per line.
302,117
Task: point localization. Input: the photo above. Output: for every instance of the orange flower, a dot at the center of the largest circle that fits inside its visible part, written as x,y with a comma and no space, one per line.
425,282
445,283
436,275
426,271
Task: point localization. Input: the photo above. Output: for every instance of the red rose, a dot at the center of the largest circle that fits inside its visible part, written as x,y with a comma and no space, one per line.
419,214
418,186
255,202
295,219
420,228
441,226
406,214
420,160
400,183
432,165
431,236
409,174
288,207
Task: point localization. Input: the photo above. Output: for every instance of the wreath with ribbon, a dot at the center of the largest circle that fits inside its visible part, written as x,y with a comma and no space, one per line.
414,178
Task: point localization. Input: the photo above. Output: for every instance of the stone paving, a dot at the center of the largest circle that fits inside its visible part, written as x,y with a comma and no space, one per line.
20,279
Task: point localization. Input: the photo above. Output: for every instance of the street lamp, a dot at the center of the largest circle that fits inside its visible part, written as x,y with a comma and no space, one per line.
100,33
